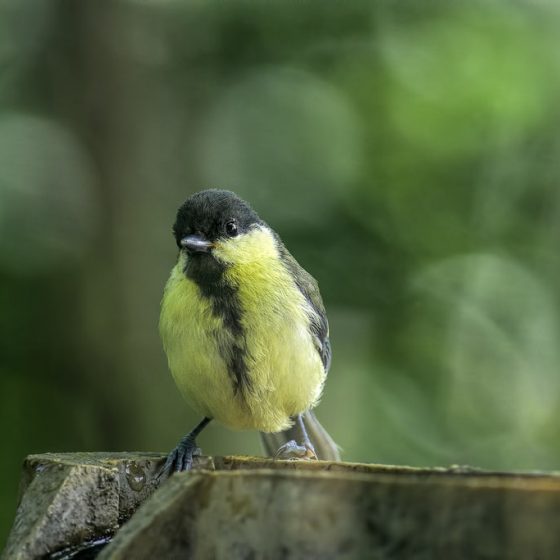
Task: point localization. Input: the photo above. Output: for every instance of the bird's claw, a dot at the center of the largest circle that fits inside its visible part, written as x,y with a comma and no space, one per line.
180,459
292,450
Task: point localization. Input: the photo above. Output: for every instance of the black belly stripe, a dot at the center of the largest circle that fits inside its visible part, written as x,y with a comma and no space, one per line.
209,277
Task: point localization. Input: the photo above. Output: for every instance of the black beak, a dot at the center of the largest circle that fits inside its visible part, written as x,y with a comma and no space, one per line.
196,244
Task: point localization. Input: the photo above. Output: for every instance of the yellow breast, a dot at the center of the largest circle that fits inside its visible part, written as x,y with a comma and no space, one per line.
284,370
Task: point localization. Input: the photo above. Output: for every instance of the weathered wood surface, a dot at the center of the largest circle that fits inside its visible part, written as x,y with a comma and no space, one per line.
243,507
68,499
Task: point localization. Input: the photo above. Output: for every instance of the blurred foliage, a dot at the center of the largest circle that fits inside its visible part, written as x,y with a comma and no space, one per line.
408,153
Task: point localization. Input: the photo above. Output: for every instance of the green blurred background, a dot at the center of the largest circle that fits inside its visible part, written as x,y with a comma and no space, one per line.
407,152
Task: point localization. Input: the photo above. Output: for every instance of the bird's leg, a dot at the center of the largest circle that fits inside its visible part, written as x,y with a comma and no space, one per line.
292,450
180,459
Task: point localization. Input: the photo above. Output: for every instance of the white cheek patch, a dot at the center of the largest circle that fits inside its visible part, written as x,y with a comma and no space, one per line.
255,244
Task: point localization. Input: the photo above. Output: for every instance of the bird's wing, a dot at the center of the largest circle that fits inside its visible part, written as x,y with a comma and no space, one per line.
310,289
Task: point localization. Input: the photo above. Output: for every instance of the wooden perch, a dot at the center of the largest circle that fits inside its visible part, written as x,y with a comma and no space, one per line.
246,507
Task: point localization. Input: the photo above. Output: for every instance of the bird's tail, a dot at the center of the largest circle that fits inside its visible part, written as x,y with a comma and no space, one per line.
325,447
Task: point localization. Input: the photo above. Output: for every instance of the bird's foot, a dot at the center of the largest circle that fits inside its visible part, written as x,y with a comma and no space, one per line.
180,459
292,450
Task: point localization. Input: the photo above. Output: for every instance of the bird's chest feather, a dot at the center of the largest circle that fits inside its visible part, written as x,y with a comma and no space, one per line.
192,335
247,358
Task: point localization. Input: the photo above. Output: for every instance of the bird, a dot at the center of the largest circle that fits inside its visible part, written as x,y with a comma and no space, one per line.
244,330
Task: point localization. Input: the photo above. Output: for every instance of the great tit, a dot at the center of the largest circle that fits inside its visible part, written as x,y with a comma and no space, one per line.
245,330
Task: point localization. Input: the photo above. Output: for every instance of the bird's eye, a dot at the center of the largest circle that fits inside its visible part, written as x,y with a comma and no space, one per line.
231,228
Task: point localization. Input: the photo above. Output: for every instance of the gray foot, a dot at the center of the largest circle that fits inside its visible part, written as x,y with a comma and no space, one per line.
292,450
180,459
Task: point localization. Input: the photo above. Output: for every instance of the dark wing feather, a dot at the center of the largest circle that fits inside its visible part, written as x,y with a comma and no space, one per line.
310,289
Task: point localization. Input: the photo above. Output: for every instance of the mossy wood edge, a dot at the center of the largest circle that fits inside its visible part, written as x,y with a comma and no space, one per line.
244,507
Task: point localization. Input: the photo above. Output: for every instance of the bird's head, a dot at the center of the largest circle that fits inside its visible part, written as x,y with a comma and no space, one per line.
215,228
